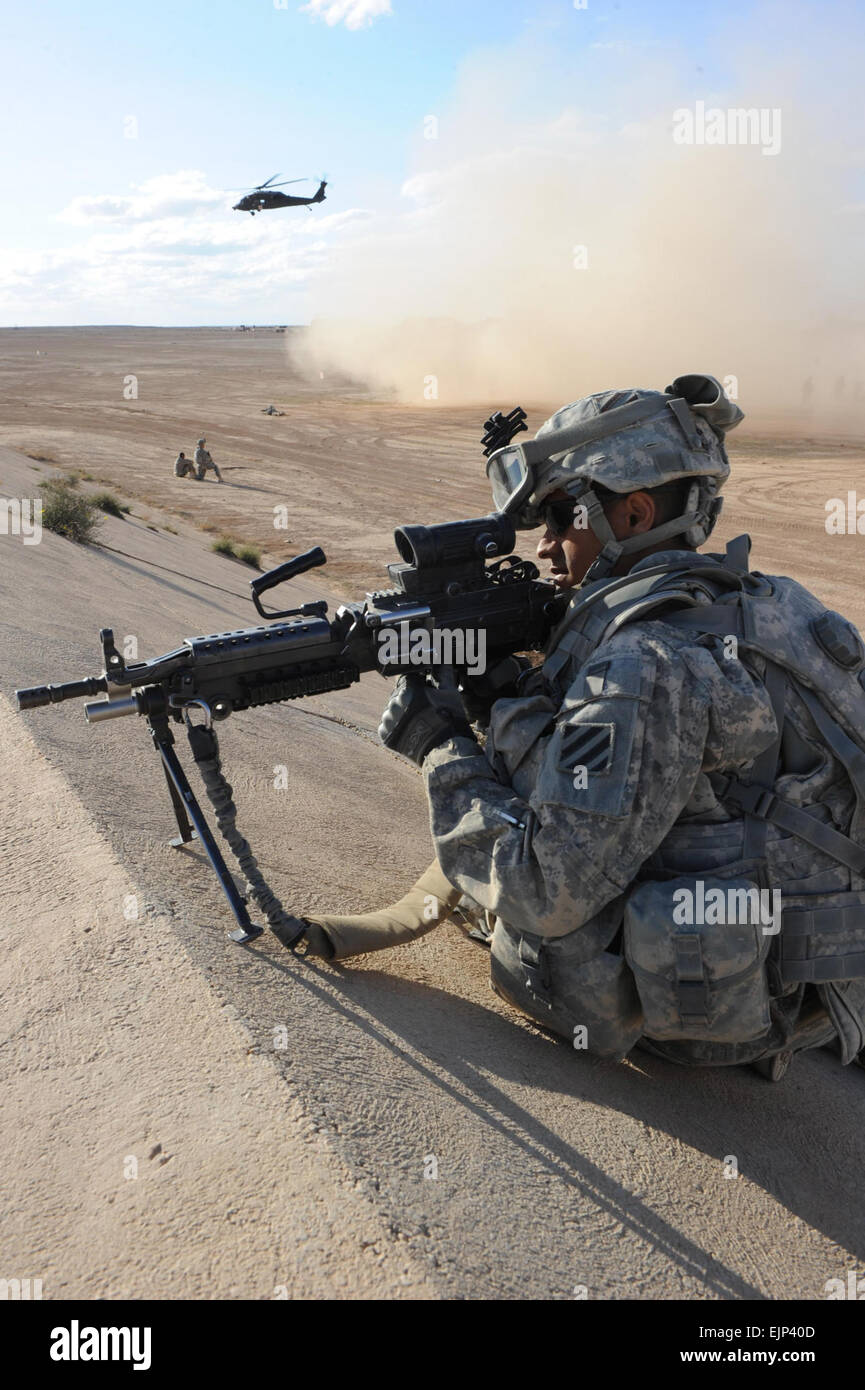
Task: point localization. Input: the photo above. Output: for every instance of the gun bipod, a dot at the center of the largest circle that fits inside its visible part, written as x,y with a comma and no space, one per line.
186,809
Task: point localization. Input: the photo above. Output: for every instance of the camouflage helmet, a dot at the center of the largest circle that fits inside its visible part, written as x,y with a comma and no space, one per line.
624,440
202,440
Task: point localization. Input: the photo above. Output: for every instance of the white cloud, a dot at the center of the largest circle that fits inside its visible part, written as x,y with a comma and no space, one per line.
183,194
355,14
172,251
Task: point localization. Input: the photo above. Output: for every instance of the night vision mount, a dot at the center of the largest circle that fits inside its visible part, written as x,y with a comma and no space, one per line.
500,429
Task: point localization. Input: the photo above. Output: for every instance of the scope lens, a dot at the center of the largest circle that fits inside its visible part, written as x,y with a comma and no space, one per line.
404,545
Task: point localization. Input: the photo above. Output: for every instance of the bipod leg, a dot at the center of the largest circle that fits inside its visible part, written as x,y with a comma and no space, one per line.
186,831
182,793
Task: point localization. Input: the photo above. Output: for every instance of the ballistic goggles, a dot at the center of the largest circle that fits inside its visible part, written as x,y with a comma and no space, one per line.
519,474
516,473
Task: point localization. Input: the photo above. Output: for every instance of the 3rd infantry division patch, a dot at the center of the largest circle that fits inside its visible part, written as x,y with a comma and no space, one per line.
589,746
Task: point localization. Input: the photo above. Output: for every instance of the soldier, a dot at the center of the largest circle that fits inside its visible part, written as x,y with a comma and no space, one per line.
659,865
203,461
183,466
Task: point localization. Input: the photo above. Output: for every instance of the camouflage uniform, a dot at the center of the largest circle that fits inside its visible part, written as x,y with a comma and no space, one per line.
203,461
656,715
183,466
614,780
694,727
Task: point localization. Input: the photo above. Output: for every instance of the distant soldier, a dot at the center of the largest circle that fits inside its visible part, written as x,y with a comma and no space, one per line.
183,466
203,461
272,410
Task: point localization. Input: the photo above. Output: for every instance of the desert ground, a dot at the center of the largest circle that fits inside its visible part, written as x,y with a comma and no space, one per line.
185,1118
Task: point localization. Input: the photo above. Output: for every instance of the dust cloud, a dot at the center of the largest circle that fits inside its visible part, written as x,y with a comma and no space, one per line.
557,235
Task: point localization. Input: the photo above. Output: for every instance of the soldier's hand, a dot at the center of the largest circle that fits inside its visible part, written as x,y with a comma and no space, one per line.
501,682
418,717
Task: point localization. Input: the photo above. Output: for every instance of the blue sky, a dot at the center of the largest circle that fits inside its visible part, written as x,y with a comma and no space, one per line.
99,227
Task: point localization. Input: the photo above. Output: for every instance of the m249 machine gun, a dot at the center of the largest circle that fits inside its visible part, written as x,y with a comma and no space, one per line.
456,579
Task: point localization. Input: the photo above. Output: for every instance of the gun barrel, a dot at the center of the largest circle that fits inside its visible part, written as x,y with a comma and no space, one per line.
98,710
38,695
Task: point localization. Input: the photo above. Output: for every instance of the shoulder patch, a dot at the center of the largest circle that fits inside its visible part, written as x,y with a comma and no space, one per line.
589,746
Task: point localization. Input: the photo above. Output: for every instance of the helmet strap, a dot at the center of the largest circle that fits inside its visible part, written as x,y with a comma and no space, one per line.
687,525
603,565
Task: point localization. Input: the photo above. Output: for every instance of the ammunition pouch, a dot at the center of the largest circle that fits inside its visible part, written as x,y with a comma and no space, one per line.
549,980
705,982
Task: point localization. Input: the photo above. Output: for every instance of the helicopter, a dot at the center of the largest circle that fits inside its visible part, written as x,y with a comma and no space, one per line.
265,196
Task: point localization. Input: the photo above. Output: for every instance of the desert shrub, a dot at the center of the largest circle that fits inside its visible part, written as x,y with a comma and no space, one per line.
224,546
250,556
66,513
107,502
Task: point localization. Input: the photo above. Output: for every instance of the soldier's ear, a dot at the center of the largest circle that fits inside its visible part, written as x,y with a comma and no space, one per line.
639,510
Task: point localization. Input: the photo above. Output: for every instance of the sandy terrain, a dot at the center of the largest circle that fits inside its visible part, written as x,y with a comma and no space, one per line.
347,467
298,1160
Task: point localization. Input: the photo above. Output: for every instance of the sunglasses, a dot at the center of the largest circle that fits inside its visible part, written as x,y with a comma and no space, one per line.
558,516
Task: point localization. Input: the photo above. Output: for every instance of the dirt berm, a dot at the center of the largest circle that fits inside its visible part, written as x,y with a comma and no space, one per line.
182,1117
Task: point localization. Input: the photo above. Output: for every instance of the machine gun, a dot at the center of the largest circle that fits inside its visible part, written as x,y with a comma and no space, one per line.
442,584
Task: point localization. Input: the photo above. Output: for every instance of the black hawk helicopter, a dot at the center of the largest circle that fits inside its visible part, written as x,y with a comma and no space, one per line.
265,196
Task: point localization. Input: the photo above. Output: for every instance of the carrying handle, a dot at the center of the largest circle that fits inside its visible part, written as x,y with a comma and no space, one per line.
309,560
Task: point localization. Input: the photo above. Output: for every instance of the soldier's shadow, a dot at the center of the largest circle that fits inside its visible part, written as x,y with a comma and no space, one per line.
250,487
776,1132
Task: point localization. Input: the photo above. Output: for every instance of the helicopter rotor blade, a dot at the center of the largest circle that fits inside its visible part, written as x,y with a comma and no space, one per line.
270,184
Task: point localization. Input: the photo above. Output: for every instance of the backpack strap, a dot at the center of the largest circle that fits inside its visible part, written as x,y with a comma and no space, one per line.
765,770
760,801
737,556
846,751
804,950
756,798
722,619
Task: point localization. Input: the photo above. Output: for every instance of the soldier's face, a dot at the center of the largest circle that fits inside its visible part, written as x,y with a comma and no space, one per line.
571,555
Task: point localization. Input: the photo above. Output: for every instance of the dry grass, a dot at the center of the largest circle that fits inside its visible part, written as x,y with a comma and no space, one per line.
236,550
107,502
250,555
